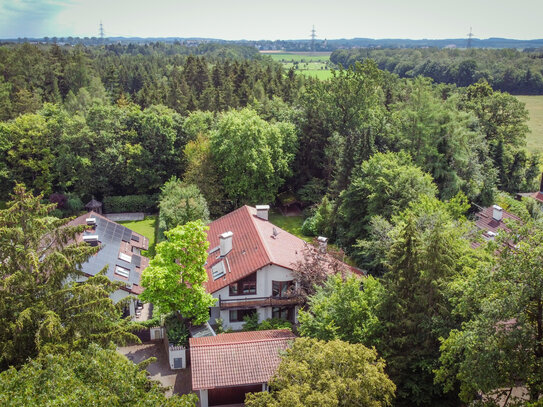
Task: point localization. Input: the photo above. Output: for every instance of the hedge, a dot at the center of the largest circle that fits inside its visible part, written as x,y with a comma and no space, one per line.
130,203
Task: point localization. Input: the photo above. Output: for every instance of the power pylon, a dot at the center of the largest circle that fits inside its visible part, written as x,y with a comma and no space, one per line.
101,32
470,35
313,36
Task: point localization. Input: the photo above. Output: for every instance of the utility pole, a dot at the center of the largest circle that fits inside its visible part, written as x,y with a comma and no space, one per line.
101,32
470,35
313,36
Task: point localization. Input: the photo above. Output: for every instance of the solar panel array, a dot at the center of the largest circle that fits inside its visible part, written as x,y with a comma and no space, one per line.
110,235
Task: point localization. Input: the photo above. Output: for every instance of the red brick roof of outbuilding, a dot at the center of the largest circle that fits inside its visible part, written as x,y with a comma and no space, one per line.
236,359
486,222
254,246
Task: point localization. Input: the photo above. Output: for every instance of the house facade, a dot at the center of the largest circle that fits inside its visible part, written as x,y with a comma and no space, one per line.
120,254
249,268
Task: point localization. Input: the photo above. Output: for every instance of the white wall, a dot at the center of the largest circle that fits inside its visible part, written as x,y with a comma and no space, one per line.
264,278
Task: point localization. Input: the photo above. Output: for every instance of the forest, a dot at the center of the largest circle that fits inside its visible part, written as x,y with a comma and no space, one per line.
389,166
507,70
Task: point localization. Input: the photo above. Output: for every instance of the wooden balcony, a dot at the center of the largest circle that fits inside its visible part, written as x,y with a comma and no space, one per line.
252,302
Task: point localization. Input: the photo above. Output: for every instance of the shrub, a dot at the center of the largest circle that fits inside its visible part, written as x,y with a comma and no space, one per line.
178,333
130,203
59,199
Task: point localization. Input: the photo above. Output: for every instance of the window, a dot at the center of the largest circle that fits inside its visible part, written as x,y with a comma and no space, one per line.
236,315
245,286
285,313
282,288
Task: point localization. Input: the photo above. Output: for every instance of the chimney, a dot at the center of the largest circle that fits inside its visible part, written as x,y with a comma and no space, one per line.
262,211
225,243
323,243
497,213
541,184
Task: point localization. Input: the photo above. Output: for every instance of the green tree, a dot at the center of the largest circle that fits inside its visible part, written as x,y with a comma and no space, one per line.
90,377
328,374
383,185
342,309
500,344
174,279
41,311
181,203
252,155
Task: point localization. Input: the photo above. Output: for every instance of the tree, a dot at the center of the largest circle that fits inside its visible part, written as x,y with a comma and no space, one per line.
252,155
41,309
328,374
342,309
500,345
90,377
314,268
174,279
181,203
429,250
383,185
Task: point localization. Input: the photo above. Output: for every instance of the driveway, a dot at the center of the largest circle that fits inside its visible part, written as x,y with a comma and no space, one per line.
178,381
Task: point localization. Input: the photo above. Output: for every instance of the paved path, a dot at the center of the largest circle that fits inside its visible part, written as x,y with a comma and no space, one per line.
178,381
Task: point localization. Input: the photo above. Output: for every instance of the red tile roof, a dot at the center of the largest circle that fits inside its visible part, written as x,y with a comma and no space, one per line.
236,359
486,222
253,246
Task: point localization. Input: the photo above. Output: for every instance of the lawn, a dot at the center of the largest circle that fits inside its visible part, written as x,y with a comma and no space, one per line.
292,224
534,104
309,64
146,228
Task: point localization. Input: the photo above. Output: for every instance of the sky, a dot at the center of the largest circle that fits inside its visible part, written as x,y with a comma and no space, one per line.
273,19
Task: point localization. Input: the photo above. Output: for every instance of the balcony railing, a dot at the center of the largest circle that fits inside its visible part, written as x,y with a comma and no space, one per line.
251,302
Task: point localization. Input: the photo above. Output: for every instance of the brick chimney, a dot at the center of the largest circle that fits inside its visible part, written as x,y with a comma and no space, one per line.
497,213
225,243
262,211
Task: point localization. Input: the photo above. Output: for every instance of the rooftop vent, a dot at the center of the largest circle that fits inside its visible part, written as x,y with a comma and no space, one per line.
262,211
490,235
225,243
91,221
91,239
497,213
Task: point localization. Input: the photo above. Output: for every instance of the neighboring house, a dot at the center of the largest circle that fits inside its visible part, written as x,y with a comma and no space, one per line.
120,251
227,366
538,196
249,267
491,220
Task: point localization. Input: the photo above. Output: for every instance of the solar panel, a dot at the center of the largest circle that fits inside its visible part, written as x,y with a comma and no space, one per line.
127,234
135,238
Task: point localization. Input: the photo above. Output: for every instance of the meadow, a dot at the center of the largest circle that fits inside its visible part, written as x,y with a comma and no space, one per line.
307,63
534,104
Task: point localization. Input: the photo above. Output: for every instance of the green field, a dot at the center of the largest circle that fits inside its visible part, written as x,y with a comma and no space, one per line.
534,104
146,228
311,64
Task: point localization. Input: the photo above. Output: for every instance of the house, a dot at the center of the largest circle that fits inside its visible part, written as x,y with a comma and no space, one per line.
538,195
227,366
491,220
120,251
249,267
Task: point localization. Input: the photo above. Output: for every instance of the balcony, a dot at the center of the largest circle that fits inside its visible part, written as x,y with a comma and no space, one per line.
252,302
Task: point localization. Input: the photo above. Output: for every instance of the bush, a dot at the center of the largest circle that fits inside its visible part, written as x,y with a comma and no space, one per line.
130,203
178,333
59,199
252,324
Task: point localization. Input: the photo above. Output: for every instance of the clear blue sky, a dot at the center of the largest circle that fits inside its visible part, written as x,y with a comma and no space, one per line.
273,19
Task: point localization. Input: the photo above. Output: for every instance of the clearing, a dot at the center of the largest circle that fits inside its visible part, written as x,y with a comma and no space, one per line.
534,140
316,64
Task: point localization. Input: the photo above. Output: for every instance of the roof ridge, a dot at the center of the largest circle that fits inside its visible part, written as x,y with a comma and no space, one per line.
262,240
242,342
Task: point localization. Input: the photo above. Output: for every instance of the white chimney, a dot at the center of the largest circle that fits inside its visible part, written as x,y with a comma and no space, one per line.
323,243
225,243
497,213
262,211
